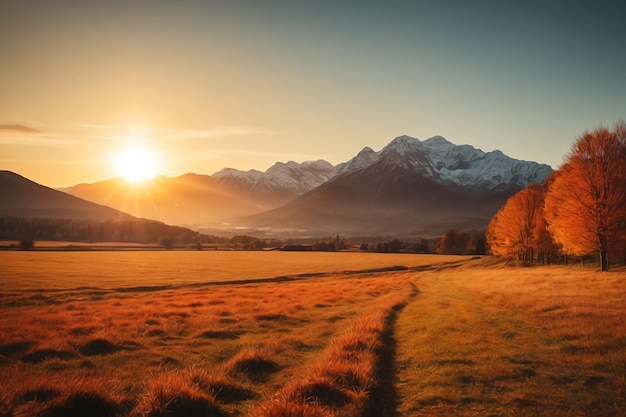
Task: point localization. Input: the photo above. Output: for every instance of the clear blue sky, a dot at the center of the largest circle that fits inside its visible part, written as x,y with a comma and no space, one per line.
210,84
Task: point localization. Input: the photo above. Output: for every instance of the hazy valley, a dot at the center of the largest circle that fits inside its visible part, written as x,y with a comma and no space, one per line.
410,187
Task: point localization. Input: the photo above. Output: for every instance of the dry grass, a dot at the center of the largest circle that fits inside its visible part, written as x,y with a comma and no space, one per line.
153,270
469,338
545,341
126,340
342,380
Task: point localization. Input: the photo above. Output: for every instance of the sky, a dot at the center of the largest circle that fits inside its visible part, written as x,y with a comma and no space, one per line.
203,85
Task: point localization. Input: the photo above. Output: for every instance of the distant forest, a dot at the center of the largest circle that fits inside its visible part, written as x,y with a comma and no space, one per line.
80,230
22,229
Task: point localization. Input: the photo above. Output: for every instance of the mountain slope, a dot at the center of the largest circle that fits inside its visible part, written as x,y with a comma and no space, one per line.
409,187
447,163
281,182
193,199
21,197
184,200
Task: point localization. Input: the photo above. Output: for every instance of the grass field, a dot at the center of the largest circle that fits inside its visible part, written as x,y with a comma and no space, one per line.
306,334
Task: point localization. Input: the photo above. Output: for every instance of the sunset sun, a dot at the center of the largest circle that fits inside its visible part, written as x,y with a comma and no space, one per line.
136,164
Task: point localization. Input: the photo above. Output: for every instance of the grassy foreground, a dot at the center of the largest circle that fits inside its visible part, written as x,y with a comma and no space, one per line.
492,340
203,334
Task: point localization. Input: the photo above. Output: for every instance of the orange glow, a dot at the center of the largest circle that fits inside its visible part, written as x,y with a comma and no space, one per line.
136,164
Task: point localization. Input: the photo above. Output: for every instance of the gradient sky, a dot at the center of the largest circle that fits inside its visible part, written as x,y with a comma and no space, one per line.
243,84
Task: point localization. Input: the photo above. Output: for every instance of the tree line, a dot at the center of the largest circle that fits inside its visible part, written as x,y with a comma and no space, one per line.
82,230
579,211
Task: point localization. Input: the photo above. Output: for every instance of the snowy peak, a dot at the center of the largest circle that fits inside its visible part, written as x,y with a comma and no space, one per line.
251,176
437,141
365,158
409,154
299,177
403,145
285,179
450,164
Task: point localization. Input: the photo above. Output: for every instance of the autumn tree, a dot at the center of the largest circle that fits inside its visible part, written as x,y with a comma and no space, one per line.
454,242
515,230
586,200
451,243
26,244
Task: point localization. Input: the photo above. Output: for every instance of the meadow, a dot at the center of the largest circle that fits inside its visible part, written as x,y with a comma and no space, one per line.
306,334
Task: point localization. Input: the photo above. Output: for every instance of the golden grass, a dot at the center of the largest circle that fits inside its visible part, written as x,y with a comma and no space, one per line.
545,341
119,269
343,380
439,338
125,340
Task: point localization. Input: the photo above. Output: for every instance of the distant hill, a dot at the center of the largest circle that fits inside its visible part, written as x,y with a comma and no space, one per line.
409,187
32,211
193,199
189,199
22,197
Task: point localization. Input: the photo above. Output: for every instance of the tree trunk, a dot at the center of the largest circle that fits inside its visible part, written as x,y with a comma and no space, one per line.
604,263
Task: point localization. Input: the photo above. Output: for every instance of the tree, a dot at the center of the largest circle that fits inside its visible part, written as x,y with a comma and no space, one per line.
515,229
586,200
452,243
167,243
26,244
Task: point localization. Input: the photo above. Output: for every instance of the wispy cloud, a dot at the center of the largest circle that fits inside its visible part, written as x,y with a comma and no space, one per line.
16,134
12,129
282,156
266,156
121,127
137,132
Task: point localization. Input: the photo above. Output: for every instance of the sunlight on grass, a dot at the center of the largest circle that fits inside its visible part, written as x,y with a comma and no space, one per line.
138,347
520,341
437,338
153,270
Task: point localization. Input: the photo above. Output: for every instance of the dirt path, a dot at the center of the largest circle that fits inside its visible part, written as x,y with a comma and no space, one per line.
468,351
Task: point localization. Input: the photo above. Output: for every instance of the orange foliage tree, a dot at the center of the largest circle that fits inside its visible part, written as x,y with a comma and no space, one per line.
585,204
518,230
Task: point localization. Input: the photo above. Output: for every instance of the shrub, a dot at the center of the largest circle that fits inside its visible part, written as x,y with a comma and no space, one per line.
320,390
170,395
98,347
26,244
256,363
81,404
221,387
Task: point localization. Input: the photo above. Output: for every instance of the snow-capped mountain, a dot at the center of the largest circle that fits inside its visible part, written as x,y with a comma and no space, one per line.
447,163
281,180
366,157
409,187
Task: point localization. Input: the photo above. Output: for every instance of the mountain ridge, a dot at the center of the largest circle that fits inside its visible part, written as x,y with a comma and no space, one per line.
22,197
408,181
407,187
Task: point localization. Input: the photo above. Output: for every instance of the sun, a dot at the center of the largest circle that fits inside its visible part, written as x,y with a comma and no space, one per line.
136,164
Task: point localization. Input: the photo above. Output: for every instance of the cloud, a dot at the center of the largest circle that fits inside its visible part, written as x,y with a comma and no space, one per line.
214,132
15,134
18,130
137,132
120,127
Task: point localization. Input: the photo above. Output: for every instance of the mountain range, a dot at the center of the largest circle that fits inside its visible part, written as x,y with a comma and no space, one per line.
410,187
21,197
